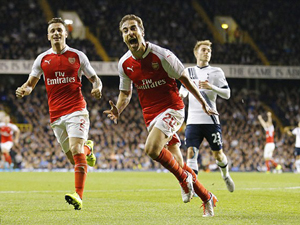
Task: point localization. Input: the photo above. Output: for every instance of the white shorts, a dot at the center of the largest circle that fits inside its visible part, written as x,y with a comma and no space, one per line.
76,124
6,146
268,150
169,122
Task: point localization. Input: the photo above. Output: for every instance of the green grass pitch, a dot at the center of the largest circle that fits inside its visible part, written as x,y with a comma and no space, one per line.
147,198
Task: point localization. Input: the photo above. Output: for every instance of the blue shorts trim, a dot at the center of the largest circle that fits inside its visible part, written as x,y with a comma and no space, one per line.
195,133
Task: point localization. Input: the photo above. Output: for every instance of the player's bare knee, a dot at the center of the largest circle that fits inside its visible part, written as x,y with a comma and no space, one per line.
190,153
76,149
152,151
218,155
71,160
70,157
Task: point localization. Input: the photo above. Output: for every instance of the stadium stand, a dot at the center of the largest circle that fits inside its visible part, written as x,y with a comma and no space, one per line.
25,32
179,34
274,26
121,147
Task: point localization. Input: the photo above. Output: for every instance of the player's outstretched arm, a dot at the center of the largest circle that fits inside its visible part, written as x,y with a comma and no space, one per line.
262,122
27,87
97,87
269,118
116,110
185,80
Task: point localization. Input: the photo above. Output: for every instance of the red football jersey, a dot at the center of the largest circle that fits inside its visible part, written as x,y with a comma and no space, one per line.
7,131
270,134
62,75
154,77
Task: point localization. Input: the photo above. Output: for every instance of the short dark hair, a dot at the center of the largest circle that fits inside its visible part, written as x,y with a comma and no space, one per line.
57,20
132,17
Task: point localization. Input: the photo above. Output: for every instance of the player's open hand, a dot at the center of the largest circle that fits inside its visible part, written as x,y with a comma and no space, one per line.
209,110
22,91
113,113
96,93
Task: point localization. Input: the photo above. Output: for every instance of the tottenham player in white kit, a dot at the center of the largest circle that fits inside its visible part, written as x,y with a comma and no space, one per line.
153,70
296,132
62,69
211,82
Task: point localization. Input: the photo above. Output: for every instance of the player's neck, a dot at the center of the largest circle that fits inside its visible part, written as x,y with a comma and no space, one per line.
139,53
202,63
58,48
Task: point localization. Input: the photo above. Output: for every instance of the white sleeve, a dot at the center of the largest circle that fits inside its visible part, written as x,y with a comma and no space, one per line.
172,64
14,127
294,132
183,91
125,82
222,92
85,64
36,70
220,85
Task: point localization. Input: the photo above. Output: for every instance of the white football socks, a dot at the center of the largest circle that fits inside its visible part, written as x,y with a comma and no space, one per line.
223,165
193,162
297,164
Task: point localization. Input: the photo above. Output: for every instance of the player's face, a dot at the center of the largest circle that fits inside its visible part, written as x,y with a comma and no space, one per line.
6,119
204,53
57,34
132,35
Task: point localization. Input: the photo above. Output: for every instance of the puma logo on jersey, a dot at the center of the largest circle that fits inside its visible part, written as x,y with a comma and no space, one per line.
130,68
47,61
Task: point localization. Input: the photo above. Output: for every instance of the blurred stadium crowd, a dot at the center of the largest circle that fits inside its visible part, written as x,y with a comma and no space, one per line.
121,146
274,28
174,25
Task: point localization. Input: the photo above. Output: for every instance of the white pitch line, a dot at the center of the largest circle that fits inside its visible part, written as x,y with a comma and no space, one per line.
279,188
136,190
47,191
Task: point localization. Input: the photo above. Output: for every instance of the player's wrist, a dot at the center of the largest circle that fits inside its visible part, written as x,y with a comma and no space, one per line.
213,87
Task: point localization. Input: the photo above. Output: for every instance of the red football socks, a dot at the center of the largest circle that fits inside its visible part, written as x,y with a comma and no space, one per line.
7,158
267,165
200,190
273,162
185,167
80,172
168,161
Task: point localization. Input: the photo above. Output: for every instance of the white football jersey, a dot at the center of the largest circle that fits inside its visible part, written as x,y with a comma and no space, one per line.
296,132
215,76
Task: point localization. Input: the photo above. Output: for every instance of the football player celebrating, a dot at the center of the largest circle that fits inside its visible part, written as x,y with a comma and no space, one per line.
10,134
62,67
270,145
153,71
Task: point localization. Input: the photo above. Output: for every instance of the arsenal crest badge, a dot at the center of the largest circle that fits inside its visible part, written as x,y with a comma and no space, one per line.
155,65
71,60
